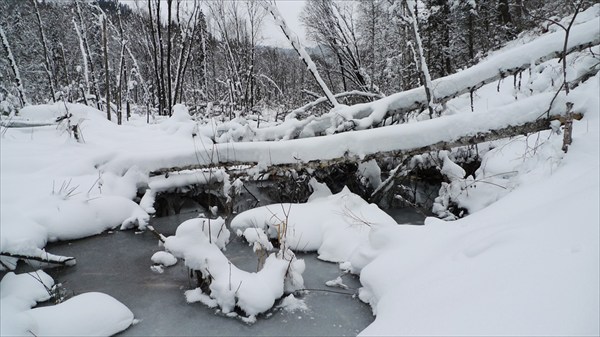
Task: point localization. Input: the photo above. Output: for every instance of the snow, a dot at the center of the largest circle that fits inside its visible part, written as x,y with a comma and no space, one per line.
525,261
291,304
525,265
338,282
254,293
88,314
334,225
257,238
164,258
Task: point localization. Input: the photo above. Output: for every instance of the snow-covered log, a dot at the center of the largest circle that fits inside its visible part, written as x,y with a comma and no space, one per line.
523,116
436,144
43,257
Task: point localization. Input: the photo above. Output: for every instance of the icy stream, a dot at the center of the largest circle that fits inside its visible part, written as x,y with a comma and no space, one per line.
118,263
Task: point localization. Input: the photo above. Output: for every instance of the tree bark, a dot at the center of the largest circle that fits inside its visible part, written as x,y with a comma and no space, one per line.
106,71
169,91
14,66
45,49
422,62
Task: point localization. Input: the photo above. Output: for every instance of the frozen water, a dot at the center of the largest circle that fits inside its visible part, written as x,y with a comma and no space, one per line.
118,264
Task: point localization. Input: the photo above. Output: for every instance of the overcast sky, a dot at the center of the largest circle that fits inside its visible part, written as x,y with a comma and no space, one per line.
290,10
272,35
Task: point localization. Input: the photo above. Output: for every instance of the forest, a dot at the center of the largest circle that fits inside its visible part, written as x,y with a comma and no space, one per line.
397,167
138,57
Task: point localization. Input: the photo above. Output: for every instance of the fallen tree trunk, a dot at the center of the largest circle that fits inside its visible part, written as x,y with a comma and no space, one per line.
522,117
43,257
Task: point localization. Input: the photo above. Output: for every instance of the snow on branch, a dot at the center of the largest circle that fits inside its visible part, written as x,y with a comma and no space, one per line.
367,115
323,99
39,255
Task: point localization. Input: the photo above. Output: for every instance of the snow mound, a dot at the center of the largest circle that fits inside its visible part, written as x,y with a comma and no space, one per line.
333,225
164,258
292,304
199,243
89,314
180,113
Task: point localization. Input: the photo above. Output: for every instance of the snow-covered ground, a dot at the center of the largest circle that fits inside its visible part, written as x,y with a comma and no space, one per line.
526,261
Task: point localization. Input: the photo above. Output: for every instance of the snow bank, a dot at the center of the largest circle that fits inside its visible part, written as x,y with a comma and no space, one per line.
333,225
527,264
89,314
56,218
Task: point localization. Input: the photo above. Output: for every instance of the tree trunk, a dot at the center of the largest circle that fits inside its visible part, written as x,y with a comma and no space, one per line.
88,55
45,49
106,71
295,42
162,61
14,66
86,76
422,63
169,92
154,56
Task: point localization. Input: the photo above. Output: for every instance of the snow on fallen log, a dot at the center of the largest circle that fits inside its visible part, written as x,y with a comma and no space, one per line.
496,67
523,116
182,180
36,256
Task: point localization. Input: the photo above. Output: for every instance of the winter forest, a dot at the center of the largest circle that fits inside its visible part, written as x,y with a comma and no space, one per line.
392,167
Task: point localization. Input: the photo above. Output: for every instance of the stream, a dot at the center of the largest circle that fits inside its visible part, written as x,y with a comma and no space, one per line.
118,263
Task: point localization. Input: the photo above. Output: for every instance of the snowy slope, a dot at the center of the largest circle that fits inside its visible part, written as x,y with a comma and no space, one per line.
526,265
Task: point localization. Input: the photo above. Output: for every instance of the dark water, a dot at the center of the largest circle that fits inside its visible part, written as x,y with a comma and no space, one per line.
118,264
406,216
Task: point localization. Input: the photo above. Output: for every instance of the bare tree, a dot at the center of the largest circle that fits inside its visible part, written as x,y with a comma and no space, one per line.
14,66
45,49
106,70
295,42
409,5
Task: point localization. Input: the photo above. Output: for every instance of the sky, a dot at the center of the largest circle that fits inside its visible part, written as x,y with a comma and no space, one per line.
271,33
290,10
